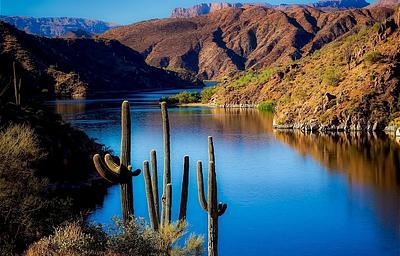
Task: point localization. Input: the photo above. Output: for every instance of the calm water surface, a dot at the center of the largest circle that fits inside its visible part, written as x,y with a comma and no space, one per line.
287,193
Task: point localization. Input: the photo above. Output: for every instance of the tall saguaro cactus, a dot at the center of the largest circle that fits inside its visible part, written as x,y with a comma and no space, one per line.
121,172
166,202
211,205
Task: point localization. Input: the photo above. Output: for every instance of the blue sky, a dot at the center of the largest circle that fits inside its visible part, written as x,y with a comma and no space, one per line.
120,11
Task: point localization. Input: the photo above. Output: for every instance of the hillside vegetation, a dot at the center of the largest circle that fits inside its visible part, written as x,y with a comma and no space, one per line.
352,83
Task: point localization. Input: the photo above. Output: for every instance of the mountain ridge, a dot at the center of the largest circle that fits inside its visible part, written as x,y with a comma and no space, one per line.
57,26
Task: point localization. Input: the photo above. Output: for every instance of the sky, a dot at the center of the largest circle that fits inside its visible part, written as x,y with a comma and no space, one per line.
119,11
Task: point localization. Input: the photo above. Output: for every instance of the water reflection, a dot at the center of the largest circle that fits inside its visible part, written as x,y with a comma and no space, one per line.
368,161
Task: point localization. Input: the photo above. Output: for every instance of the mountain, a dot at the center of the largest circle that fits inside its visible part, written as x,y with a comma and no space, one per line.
352,83
76,67
77,34
206,8
385,3
341,4
55,27
225,42
203,9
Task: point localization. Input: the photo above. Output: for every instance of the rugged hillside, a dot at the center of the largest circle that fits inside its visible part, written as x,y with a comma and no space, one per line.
77,34
75,67
385,3
54,27
350,84
227,41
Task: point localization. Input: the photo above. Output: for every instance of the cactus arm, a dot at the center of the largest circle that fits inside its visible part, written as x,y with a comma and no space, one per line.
185,188
222,208
113,166
154,174
200,186
211,155
168,213
104,172
135,173
150,197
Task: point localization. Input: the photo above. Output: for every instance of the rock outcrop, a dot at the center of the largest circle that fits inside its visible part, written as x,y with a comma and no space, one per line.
222,43
56,27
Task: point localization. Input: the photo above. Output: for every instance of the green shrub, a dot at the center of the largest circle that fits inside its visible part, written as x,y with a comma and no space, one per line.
330,77
182,98
267,106
373,57
207,93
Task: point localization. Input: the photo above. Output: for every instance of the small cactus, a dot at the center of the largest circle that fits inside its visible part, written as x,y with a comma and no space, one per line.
211,205
120,171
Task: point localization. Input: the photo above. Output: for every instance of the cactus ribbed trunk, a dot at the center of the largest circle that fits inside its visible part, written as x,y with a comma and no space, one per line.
154,184
212,211
168,204
200,187
166,210
185,189
211,156
150,196
126,180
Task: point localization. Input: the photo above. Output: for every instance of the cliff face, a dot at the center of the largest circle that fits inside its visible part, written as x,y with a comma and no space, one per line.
76,67
234,39
352,83
202,9
385,3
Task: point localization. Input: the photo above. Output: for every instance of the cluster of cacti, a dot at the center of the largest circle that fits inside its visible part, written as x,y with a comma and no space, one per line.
151,181
211,205
17,87
120,171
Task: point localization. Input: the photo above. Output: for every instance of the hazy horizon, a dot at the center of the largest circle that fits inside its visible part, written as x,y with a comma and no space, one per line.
119,11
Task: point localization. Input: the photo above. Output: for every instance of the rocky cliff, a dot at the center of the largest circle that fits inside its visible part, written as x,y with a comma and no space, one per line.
341,4
55,27
222,43
352,84
75,67
385,3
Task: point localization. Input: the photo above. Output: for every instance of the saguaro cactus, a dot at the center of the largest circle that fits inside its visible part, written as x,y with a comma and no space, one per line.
185,189
121,172
17,87
166,204
211,204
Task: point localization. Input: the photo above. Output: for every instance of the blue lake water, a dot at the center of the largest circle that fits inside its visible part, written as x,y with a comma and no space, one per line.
287,193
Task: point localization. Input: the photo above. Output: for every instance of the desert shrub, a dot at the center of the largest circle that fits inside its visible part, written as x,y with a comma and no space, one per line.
134,238
207,93
183,98
373,57
330,77
26,210
267,106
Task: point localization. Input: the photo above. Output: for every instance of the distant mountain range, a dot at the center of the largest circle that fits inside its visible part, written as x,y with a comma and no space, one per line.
206,8
56,27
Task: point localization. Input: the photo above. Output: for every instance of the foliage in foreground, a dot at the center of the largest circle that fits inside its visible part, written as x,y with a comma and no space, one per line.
26,211
135,238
